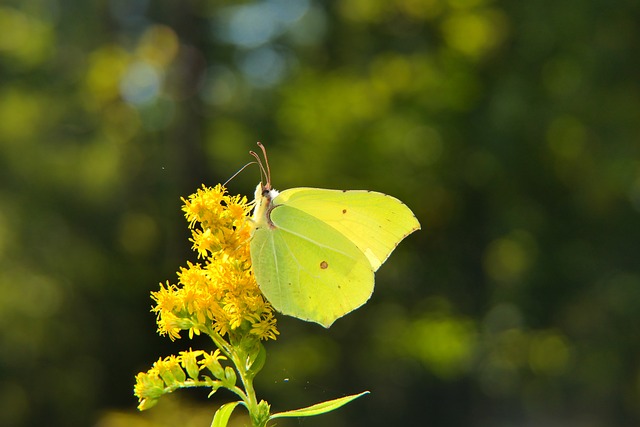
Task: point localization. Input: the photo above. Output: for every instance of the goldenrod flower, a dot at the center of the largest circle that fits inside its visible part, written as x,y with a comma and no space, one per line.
168,374
220,293
218,296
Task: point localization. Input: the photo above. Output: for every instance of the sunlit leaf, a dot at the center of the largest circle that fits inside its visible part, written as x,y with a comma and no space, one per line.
221,418
319,408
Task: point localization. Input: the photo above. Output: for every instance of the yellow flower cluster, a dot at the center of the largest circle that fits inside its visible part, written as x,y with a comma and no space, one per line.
220,294
175,372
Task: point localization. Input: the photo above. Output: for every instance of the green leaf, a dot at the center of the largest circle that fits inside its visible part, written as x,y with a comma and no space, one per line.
256,361
221,418
318,408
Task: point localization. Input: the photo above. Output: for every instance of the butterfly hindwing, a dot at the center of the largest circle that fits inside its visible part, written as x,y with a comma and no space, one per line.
308,269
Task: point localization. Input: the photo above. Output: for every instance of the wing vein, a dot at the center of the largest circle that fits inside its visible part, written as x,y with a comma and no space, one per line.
316,243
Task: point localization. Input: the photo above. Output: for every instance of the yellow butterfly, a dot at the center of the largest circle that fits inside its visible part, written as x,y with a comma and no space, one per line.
315,251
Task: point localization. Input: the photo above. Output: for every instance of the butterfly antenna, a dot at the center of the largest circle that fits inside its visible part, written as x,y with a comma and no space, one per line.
236,174
266,162
264,172
259,162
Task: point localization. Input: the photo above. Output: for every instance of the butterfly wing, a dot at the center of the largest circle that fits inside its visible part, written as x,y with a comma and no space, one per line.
308,269
374,222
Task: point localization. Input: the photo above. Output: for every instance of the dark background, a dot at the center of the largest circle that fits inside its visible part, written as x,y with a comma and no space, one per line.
512,129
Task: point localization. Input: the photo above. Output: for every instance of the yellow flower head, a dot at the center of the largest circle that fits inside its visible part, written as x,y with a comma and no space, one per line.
220,293
175,372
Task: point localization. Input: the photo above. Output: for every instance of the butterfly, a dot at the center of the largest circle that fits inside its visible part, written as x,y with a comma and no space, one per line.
314,251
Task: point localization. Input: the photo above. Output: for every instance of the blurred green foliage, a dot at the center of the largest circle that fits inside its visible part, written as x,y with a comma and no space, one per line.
511,129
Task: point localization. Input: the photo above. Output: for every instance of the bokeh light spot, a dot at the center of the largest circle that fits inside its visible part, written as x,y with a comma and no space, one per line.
263,67
566,136
25,39
392,73
364,10
21,113
549,353
310,29
141,83
158,45
507,259
474,34
422,9
106,67
255,24
444,343
99,169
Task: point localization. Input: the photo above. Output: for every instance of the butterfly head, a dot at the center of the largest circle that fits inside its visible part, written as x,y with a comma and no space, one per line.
264,194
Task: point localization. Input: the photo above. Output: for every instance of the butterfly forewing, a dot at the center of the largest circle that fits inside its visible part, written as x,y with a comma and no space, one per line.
374,222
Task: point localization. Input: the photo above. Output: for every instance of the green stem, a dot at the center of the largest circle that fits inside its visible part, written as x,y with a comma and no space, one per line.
249,395
251,402
220,342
